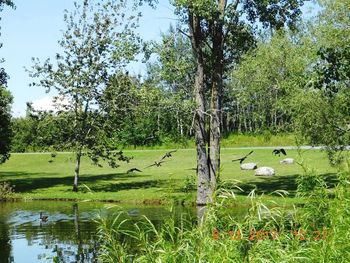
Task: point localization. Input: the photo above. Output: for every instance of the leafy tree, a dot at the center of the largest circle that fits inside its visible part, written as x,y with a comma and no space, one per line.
324,108
97,43
5,104
220,31
5,123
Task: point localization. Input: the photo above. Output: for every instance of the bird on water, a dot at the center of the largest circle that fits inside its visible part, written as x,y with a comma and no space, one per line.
43,218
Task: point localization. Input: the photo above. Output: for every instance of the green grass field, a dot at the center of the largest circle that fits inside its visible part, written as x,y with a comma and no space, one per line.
35,177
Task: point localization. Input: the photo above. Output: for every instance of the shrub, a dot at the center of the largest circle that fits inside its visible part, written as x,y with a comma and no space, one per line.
6,191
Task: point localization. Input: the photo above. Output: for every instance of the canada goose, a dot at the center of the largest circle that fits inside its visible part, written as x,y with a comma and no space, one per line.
243,158
168,154
279,151
133,170
43,218
156,164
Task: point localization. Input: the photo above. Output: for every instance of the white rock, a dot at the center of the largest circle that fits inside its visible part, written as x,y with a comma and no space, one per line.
248,166
287,161
264,171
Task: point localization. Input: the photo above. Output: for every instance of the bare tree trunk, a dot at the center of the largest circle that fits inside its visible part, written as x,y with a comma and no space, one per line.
76,172
215,123
216,93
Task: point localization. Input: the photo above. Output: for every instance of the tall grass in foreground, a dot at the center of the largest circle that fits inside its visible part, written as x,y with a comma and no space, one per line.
319,231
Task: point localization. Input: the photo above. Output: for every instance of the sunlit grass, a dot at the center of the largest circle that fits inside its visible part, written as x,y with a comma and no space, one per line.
35,177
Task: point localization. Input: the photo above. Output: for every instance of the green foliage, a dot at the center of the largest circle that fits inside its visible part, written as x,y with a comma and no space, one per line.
5,123
263,85
189,184
5,104
4,3
322,110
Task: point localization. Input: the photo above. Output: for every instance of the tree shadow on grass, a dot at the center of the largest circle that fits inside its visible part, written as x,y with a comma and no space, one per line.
268,185
42,180
129,186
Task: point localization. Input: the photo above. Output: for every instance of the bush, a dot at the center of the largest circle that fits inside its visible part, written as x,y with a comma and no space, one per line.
6,191
189,184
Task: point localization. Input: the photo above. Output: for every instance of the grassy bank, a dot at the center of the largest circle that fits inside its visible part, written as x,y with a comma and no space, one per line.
34,177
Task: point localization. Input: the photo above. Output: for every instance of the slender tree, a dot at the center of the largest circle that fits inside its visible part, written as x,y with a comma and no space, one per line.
96,44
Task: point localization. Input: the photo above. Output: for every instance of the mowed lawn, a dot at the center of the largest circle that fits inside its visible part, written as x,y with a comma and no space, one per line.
35,177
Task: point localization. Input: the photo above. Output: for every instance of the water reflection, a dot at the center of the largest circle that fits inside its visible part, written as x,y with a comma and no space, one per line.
69,235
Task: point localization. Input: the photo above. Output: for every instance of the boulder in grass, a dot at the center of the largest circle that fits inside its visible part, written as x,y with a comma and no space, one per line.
248,166
265,171
287,161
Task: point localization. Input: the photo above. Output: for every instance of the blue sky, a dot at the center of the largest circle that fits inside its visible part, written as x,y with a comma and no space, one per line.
33,29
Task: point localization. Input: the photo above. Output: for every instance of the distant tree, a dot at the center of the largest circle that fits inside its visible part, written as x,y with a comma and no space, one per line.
173,73
264,83
97,43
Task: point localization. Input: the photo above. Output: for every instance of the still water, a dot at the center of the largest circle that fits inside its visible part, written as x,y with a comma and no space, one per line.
70,233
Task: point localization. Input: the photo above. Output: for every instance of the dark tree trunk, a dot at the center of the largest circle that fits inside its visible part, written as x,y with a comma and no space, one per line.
204,190
215,103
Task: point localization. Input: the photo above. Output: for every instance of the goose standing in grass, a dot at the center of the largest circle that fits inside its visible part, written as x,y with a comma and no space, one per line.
246,166
53,155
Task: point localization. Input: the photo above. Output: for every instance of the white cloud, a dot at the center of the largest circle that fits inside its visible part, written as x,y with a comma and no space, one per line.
47,104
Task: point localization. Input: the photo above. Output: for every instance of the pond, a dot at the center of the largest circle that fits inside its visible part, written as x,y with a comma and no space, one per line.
70,233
